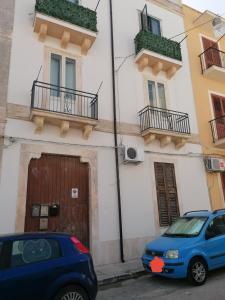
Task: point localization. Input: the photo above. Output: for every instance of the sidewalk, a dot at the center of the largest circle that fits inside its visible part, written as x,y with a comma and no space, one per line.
112,273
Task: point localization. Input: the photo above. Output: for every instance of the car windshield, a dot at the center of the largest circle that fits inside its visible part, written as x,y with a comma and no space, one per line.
186,227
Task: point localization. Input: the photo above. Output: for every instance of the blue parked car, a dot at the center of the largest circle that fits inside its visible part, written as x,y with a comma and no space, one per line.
192,246
47,266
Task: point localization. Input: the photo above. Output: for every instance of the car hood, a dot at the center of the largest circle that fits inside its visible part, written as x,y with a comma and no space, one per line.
164,243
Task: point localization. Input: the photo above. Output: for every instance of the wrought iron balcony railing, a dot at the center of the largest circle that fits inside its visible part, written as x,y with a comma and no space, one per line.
218,128
212,57
53,98
164,120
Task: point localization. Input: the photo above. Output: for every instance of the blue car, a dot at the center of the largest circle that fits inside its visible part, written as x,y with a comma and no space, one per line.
193,245
47,266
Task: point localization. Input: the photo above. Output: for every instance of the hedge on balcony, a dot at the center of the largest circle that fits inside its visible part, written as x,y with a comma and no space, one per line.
158,44
70,12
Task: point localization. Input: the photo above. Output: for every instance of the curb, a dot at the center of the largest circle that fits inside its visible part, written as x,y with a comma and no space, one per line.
119,278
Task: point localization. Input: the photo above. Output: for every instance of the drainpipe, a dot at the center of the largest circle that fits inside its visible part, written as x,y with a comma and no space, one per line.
115,136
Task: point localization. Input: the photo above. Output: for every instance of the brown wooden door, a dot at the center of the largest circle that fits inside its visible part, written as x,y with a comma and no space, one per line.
50,181
219,112
212,56
166,193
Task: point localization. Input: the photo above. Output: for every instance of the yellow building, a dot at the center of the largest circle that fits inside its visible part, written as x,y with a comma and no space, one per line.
207,62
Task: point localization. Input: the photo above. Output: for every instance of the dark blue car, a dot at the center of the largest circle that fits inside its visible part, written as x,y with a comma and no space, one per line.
46,266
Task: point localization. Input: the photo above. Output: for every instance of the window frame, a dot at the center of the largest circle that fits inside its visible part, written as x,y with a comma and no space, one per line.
33,263
149,21
62,69
157,104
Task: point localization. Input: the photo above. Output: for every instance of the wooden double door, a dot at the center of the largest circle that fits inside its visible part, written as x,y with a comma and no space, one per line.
61,182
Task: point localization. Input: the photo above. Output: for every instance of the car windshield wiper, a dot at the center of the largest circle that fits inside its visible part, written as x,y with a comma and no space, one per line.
179,234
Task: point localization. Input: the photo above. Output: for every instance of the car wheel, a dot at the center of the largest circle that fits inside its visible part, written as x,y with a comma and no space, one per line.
72,292
197,271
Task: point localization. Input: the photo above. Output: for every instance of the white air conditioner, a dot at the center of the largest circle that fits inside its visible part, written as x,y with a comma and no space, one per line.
214,164
133,154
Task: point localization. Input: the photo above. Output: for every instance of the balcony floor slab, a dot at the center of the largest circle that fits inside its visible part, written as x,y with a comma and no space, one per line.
165,137
64,31
63,121
157,62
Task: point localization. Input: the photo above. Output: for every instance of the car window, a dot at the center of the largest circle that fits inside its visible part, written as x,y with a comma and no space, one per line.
32,251
186,226
216,227
1,246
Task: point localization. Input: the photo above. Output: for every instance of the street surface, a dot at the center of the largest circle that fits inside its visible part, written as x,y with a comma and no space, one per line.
147,287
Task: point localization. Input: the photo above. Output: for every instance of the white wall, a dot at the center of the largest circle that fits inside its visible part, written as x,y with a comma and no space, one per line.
139,202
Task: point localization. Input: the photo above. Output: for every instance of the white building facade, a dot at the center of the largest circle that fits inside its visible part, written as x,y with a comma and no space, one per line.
58,168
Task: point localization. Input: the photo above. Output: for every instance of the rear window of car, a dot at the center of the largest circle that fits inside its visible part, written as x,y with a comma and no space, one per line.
1,245
26,252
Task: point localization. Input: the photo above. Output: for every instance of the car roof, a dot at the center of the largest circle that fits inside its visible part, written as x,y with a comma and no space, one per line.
198,214
205,213
34,235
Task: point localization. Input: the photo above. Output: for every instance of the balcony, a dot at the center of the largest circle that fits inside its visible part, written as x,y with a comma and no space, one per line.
167,126
159,53
218,131
66,21
63,107
213,64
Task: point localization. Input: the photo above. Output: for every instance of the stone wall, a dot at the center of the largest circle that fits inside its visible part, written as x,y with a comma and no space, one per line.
6,29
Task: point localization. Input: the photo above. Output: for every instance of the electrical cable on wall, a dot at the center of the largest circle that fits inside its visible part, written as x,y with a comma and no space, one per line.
195,27
14,140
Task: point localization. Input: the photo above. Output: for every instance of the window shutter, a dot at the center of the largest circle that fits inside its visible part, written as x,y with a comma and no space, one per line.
144,18
166,193
212,56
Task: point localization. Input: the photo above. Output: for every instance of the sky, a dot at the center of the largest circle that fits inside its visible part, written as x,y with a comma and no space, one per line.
217,6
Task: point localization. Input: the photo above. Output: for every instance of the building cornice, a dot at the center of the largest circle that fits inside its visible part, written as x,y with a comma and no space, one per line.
169,5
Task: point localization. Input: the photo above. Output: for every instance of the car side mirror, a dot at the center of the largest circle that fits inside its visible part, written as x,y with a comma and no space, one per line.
209,235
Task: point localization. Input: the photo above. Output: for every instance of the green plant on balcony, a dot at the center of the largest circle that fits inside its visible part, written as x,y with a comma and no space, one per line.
70,12
158,44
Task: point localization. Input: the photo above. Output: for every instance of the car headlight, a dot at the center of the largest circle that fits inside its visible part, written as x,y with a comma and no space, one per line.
172,254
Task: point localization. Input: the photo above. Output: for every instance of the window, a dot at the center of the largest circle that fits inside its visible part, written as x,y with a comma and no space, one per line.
32,251
166,193
62,71
62,74
186,226
216,227
70,73
154,25
1,246
55,74
156,93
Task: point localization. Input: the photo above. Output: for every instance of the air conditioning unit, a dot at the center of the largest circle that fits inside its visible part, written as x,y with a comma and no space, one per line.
133,154
214,164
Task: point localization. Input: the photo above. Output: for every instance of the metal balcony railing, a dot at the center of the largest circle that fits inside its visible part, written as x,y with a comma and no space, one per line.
218,128
164,120
212,57
53,98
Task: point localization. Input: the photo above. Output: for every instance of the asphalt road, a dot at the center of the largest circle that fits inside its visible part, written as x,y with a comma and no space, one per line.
147,287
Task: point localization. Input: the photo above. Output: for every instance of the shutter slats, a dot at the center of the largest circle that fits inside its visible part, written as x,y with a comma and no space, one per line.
166,193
